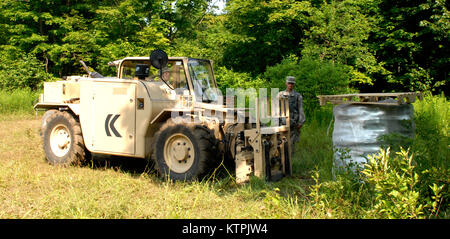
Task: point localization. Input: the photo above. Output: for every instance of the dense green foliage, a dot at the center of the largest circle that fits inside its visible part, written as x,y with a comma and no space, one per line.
379,45
314,77
22,72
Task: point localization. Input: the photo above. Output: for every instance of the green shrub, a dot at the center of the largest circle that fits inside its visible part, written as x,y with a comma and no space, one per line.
229,79
313,78
388,187
19,71
395,186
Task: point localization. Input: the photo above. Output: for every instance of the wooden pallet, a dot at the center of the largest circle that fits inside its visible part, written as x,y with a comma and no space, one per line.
371,98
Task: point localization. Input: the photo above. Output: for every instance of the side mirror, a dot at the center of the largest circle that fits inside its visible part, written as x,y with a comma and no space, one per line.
159,59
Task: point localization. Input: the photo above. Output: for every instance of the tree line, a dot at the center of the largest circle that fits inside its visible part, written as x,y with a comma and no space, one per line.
333,46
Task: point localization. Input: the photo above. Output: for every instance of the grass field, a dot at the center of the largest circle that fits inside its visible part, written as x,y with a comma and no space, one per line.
117,188
128,188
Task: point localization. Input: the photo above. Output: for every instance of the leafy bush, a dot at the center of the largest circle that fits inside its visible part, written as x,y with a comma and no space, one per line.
20,71
388,187
344,197
229,79
395,186
237,83
313,78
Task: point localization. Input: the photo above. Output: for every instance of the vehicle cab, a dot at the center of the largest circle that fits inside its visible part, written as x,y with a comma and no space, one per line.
182,74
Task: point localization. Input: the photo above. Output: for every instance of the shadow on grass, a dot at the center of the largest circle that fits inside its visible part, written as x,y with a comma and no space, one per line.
221,180
138,166
128,165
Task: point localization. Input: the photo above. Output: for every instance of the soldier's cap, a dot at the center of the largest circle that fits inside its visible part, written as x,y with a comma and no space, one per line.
290,79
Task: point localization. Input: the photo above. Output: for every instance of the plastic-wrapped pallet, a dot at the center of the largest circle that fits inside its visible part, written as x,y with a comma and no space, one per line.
359,129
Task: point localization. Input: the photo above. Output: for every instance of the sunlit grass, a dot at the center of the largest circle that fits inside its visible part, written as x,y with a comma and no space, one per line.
31,188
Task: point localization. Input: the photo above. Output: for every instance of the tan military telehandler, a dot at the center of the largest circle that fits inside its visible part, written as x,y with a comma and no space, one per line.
162,109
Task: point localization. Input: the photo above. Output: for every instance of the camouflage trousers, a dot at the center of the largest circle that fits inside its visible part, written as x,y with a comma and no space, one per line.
295,137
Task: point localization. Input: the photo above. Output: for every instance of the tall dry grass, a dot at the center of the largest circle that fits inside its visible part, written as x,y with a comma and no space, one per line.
116,188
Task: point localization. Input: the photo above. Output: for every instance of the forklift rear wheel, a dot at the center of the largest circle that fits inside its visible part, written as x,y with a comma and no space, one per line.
63,141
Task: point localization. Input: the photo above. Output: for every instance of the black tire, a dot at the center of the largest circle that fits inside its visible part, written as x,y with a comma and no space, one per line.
44,121
202,156
71,153
208,146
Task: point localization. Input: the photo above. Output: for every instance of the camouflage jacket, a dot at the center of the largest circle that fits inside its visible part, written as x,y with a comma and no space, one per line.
295,107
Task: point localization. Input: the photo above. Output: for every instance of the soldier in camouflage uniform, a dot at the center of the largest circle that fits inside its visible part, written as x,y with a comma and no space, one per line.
297,116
